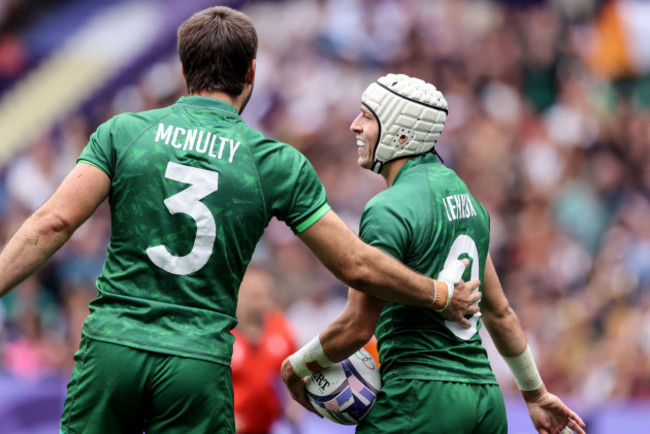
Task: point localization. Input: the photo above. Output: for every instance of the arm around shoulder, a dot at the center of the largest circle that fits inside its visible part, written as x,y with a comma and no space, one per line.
377,274
364,267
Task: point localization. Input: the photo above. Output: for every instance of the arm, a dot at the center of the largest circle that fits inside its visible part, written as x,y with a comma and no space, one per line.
348,332
548,413
353,328
343,336
377,274
45,231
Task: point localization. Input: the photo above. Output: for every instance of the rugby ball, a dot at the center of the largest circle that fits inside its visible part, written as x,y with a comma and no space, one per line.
346,391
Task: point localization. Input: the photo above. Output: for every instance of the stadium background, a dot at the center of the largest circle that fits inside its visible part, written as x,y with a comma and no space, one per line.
548,124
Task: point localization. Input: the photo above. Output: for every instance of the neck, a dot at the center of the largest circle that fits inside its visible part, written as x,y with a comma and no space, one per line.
238,101
389,172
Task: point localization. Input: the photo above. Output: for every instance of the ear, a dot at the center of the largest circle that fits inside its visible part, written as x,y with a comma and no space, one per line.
250,74
183,72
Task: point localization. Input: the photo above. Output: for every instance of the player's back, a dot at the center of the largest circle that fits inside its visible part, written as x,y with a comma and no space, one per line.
192,190
426,218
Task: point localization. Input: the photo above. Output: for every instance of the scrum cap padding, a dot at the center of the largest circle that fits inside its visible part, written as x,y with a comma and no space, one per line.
409,110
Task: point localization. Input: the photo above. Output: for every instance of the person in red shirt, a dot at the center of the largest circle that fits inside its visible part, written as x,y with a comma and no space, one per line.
263,339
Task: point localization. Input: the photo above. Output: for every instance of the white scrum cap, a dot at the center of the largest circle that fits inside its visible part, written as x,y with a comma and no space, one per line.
409,110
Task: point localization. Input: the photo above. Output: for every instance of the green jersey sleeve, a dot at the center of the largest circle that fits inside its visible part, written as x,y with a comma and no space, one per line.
292,188
99,152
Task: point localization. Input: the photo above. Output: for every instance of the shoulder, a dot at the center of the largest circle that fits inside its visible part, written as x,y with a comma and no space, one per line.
138,119
132,122
391,204
273,154
403,194
268,147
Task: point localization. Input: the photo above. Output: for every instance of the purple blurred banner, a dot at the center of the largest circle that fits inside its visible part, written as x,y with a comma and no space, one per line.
31,407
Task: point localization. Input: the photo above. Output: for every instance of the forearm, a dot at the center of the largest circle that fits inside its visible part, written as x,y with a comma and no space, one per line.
51,226
32,245
342,337
506,332
383,277
368,269
547,412
340,341
498,317
510,341
335,343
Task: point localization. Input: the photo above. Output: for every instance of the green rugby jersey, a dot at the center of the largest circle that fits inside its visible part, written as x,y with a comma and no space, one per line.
428,217
192,190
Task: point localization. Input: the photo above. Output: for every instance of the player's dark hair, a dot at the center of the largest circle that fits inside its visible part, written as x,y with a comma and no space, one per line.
216,47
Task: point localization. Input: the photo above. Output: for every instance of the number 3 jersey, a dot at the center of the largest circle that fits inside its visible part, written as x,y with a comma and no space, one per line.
192,190
426,218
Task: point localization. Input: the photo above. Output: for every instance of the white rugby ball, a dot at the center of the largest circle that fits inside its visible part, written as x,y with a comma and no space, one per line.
346,391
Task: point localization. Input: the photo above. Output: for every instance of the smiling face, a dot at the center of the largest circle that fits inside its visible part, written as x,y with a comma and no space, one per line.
366,128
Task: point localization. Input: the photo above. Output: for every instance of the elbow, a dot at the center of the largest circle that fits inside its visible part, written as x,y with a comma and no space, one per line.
52,223
357,328
499,317
355,269
358,277
361,335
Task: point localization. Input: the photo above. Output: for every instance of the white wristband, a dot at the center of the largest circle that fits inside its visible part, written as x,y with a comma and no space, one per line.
524,370
310,358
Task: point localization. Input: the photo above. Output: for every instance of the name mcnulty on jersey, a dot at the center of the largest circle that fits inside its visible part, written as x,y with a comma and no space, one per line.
458,206
198,141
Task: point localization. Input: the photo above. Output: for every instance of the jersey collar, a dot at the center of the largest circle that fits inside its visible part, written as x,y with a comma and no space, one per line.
207,102
427,158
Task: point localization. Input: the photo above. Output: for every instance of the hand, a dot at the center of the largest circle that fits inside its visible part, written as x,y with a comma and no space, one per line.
549,414
296,386
465,297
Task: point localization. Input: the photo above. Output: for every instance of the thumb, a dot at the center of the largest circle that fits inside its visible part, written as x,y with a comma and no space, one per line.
453,271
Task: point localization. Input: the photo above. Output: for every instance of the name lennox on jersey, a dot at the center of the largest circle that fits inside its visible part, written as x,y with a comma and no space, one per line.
199,141
458,206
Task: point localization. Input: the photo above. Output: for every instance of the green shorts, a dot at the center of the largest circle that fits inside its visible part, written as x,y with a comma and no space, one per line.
118,389
421,406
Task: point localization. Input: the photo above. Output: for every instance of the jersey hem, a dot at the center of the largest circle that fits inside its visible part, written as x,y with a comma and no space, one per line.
142,346
437,377
83,160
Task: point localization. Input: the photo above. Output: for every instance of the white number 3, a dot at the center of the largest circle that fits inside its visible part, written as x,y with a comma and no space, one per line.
202,183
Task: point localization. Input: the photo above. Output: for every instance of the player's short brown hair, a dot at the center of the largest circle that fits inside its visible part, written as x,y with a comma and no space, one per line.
216,47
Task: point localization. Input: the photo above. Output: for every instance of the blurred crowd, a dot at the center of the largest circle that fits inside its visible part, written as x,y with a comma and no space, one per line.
557,152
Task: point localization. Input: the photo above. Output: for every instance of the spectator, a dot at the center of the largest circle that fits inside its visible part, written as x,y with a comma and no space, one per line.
263,339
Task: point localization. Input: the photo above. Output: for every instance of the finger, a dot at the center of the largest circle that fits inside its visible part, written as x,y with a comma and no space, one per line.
302,400
474,284
311,408
576,427
574,416
472,309
475,298
465,262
